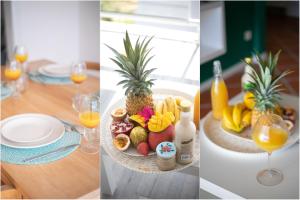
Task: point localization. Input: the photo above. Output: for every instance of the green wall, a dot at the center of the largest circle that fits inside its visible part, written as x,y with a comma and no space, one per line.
240,16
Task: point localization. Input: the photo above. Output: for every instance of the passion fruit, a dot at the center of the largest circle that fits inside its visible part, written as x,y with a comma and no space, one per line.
289,124
121,142
119,114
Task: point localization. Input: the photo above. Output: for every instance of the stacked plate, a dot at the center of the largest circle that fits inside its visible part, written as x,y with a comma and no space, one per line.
30,131
55,70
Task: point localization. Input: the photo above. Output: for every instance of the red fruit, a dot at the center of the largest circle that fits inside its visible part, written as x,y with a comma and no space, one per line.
123,127
155,138
143,148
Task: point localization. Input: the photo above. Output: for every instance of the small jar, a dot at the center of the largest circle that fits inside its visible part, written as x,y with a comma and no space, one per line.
166,156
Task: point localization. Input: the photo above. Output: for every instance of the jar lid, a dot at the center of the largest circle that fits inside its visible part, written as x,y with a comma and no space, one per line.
185,106
166,150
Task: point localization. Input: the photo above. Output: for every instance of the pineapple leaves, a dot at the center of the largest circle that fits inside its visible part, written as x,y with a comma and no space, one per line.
132,66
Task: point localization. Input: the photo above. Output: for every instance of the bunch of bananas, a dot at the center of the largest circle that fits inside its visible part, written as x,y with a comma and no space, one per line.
169,104
236,118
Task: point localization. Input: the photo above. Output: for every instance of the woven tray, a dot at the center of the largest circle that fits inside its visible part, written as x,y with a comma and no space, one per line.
141,164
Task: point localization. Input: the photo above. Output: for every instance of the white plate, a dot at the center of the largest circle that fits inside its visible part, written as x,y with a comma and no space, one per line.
241,143
26,128
55,70
158,94
57,130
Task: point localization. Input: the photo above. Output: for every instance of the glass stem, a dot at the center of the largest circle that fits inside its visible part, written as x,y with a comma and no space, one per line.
77,88
269,163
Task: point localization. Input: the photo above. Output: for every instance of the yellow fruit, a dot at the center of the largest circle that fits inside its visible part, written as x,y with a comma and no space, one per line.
160,122
170,104
165,108
197,109
227,118
177,113
249,100
159,107
178,100
246,118
237,115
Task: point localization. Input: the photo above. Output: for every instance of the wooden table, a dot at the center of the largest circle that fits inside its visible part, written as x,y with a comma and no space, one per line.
71,177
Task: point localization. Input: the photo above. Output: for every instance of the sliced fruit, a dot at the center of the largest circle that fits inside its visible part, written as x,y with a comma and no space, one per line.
121,142
121,128
119,114
143,148
160,122
289,124
138,119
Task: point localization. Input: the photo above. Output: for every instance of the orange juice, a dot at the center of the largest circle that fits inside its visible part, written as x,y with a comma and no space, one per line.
89,119
12,74
197,109
219,93
78,78
21,57
270,139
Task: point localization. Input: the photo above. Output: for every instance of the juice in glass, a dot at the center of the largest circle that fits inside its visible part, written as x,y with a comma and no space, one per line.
270,138
78,78
21,57
219,93
12,74
89,119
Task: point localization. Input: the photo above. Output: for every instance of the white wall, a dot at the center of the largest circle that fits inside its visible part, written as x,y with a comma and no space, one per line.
60,31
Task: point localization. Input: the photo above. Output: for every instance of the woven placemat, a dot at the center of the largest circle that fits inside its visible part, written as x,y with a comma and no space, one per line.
40,78
138,163
5,91
16,156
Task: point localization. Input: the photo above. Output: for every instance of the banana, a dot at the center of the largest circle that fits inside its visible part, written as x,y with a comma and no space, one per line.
159,107
177,113
237,114
246,118
227,120
178,100
165,107
170,104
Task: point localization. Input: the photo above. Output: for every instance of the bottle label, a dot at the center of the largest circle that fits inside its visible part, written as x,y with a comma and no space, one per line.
186,150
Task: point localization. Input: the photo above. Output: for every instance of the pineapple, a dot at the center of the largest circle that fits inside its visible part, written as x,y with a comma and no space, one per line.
132,67
265,86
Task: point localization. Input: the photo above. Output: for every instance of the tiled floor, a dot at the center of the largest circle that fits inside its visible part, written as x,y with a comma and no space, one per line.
282,33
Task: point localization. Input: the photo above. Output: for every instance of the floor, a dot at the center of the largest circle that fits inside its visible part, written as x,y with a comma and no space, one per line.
286,38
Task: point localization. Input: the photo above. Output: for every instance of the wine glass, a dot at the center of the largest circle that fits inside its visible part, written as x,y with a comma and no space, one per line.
21,54
78,74
270,133
89,117
13,72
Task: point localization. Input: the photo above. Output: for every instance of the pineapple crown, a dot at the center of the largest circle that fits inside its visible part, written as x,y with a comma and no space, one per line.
132,66
264,84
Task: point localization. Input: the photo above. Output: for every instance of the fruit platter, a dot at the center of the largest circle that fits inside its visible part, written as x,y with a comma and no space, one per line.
131,158
138,130
262,95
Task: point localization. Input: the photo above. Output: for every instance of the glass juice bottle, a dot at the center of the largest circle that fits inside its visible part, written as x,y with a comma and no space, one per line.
219,93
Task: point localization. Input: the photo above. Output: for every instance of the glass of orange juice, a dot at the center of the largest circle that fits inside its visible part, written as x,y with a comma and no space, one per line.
270,133
78,74
21,54
13,72
89,117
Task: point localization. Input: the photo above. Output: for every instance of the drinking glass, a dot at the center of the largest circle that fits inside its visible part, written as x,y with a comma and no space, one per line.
21,54
13,72
89,117
78,74
270,133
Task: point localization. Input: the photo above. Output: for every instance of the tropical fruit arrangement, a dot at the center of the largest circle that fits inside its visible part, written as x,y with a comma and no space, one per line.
143,123
262,96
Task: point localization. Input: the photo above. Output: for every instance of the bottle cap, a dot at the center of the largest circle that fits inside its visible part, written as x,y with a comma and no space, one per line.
185,106
248,60
217,67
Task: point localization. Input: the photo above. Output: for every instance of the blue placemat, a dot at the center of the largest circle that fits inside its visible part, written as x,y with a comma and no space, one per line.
40,78
5,91
16,156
